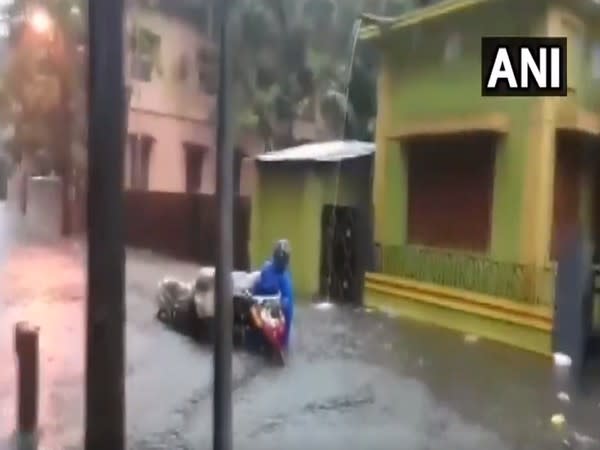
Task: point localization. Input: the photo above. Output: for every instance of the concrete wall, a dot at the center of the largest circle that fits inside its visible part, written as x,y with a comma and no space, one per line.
280,209
44,214
16,189
248,177
15,192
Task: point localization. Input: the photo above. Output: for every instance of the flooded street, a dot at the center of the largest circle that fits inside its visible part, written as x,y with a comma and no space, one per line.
356,379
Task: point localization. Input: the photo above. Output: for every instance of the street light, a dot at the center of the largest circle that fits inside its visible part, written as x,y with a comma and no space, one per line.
222,401
40,21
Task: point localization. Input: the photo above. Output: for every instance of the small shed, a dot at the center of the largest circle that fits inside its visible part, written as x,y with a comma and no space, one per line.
318,196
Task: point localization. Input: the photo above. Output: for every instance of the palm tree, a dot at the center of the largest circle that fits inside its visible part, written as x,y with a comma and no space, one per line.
293,63
270,72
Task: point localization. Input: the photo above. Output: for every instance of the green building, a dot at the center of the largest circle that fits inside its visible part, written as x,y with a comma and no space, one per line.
319,197
474,195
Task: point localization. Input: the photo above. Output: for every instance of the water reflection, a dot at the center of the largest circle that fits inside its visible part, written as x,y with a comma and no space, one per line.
424,378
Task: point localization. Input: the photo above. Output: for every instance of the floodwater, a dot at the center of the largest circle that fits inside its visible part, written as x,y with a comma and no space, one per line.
356,379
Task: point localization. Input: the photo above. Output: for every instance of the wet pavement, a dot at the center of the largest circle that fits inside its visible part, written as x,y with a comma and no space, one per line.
355,380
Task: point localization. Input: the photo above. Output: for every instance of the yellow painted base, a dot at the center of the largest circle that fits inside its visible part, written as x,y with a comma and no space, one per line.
521,326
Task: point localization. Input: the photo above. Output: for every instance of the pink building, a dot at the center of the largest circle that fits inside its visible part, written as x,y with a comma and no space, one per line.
171,79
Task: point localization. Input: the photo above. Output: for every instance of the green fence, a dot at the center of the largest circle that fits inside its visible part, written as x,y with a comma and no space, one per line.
471,272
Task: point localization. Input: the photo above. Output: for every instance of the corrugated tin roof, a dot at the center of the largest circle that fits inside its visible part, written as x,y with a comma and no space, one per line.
331,151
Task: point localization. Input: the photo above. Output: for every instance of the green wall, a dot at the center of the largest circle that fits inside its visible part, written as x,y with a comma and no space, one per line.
395,204
427,88
288,202
589,89
281,208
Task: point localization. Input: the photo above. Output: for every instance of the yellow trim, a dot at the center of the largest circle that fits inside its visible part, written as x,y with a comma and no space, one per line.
475,303
523,326
420,15
536,225
523,338
498,123
572,118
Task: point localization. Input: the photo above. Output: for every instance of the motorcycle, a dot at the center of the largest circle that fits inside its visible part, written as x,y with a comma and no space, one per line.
189,308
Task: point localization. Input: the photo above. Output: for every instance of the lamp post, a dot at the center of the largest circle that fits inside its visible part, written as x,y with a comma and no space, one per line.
105,346
222,402
40,21
42,24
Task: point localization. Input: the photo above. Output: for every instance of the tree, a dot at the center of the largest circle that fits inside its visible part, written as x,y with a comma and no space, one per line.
270,71
43,90
349,103
294,63
43,85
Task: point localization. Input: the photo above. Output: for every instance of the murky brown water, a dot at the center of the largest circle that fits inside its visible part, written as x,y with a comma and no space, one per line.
355,380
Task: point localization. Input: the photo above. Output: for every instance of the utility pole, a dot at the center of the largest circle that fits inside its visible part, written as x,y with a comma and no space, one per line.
222,402
105,358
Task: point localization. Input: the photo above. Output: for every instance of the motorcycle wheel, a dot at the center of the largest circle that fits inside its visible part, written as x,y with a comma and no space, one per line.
162,315
274,354
238,335
278,358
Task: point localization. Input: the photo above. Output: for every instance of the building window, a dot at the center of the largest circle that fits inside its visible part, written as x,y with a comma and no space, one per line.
208,67
140,147
194,161
144,47
450,191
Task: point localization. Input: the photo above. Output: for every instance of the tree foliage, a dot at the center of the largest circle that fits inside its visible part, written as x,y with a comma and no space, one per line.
42,96
295,61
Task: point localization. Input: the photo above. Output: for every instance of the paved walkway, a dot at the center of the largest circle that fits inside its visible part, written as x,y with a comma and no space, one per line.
357,380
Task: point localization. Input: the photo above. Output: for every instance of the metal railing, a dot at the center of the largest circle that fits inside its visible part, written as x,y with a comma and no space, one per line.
472,272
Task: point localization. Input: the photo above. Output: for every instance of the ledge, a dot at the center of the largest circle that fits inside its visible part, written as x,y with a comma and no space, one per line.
524,326
493,123
573,118
378,25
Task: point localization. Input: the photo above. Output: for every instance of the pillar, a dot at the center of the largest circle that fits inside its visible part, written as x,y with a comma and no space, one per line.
384,101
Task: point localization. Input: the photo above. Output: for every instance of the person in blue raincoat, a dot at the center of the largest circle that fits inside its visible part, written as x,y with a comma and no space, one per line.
274,279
